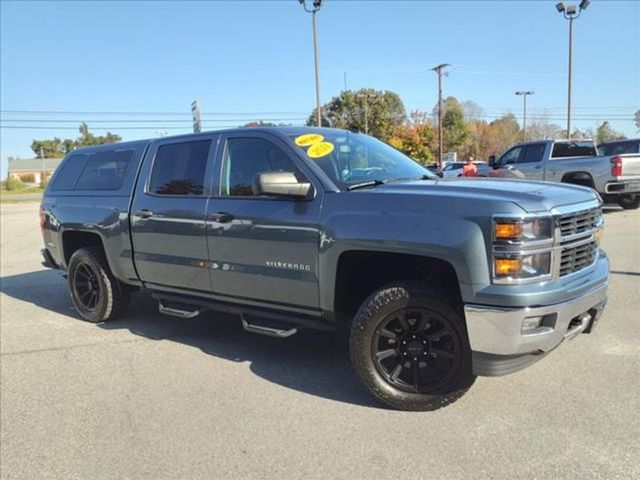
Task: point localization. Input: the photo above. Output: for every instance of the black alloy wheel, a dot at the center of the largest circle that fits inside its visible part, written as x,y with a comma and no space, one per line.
416,350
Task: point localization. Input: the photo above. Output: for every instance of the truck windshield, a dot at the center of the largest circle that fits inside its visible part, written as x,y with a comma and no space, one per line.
353,158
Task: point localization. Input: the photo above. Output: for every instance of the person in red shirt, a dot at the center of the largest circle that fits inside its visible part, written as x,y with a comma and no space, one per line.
469,169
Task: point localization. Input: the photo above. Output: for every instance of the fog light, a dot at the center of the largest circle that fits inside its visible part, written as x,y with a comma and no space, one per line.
531,323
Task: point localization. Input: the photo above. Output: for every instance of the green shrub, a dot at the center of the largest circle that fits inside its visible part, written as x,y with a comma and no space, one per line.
12,184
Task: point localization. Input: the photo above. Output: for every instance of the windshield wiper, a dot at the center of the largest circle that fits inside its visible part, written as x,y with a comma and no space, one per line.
370,183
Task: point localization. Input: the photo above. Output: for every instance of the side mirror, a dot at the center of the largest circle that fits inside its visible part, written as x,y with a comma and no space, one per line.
492,161
281,184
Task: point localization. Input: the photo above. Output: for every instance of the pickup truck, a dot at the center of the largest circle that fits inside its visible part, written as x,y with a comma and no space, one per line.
437,281
615,177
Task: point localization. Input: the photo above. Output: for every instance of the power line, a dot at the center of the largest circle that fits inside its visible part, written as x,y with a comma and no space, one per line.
70,112
49,120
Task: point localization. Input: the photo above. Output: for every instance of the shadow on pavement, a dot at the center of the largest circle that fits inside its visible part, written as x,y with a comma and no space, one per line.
311,362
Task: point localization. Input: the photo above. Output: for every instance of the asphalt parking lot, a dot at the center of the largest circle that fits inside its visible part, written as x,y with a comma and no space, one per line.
151,396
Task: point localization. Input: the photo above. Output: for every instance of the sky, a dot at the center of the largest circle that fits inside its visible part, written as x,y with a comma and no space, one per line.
252,60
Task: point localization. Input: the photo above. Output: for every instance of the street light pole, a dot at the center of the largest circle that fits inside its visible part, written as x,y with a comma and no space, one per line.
524,93
571,12
438,69
316,4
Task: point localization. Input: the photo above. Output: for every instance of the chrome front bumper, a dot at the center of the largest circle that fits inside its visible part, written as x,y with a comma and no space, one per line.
499,330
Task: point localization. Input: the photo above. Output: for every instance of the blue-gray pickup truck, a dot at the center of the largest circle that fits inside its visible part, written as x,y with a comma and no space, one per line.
437,281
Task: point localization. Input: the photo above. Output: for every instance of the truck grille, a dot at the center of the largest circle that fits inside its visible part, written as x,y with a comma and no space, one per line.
576,223
579,247
574,259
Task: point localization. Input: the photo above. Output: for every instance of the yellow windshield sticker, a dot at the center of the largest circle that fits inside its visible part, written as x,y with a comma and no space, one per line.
309,139
320,149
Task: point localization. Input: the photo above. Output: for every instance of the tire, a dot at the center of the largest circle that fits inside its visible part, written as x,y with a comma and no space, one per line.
96,294
383,311
629,202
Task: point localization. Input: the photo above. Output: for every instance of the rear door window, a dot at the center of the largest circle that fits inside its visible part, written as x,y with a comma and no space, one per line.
105,170
179,168
67,176
533,153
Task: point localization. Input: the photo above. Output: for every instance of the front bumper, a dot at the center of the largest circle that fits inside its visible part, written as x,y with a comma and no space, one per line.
501,345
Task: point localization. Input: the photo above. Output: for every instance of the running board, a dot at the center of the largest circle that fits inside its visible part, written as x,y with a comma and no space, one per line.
268,331
177,312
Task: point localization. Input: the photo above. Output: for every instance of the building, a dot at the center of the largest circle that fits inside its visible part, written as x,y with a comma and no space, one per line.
30,170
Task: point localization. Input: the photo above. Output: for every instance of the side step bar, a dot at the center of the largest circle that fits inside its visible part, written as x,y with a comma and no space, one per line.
254,319
266,330
177,312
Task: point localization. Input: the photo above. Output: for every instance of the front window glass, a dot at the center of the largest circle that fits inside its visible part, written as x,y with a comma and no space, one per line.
511,156
352,158
245,158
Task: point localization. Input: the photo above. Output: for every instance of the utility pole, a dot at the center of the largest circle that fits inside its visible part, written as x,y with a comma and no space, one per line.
316,4
42,172
366,111
195,113
571,12
524,114
440,73
345,81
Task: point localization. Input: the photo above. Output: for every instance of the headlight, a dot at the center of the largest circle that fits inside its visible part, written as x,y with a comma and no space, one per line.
522,229
522,249
522,266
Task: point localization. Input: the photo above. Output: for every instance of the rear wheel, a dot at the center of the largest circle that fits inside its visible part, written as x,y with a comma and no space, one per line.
96,294
410,349
629,202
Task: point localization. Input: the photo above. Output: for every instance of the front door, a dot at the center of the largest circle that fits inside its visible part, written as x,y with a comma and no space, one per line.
262,248
168,214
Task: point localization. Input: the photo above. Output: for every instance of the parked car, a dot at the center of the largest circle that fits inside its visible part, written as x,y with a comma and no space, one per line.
289,228
615,177
454,169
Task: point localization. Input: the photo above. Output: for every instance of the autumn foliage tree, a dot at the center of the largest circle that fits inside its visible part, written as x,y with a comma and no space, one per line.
56,148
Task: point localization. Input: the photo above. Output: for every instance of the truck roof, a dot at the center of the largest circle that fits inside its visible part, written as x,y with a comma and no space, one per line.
281,130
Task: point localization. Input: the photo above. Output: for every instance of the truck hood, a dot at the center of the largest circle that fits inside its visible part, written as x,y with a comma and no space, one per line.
531,196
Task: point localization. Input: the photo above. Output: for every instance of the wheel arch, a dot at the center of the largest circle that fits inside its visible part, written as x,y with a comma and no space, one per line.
360,272
580,177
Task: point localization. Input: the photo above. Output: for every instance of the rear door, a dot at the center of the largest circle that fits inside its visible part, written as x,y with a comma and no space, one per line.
262,248
168,213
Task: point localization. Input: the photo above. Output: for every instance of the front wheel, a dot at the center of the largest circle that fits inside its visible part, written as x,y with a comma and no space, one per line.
629,202
410,348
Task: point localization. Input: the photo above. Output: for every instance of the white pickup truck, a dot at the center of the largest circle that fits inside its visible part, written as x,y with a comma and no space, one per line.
613,174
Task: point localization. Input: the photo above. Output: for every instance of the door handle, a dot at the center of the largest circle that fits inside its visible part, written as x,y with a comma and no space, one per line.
221,217
538,167
144,213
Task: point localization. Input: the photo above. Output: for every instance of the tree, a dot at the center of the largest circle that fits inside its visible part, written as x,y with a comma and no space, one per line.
416,139
504,132
636,119
605,133
455,128
471,110
56,148
52,148
378,112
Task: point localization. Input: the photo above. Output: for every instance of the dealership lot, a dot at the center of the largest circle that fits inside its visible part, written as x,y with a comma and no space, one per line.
156,396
